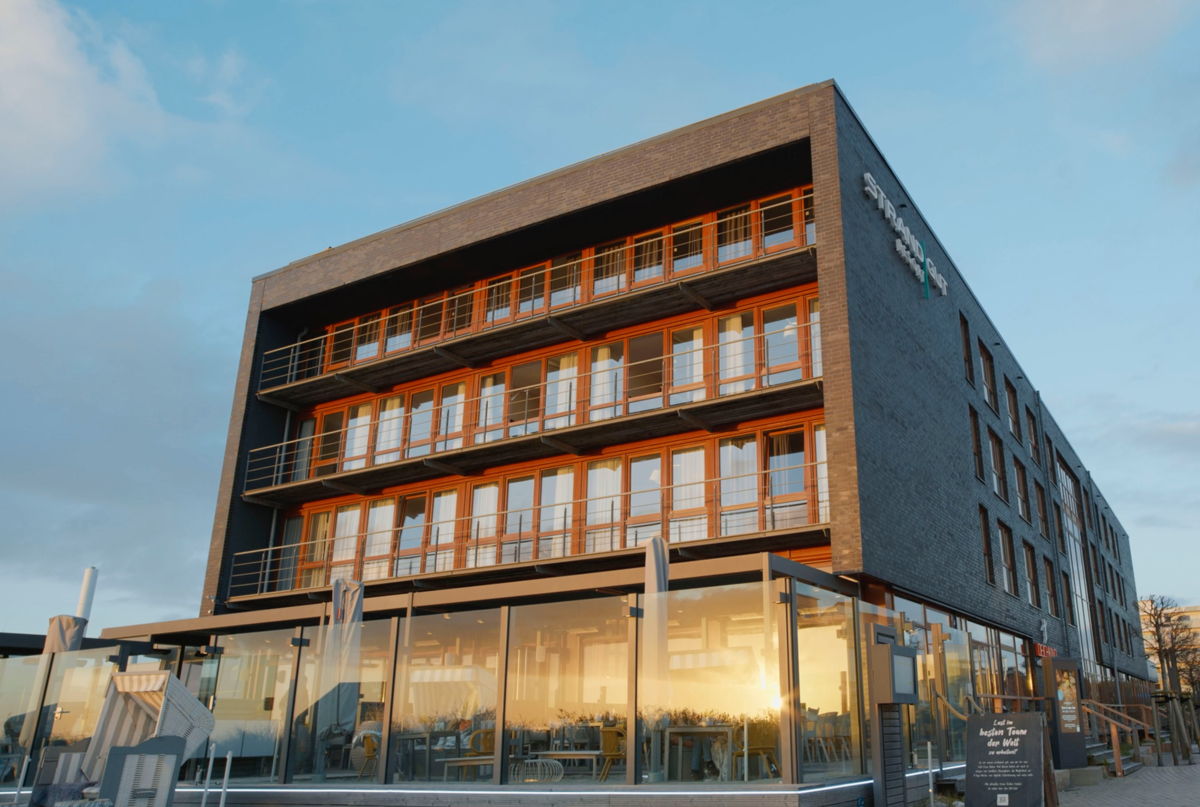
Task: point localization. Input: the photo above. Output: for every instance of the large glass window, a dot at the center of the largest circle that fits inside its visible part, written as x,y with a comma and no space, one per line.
561,384
645,372
777,215
645,499
366,338
608,269
557,493
519,522
498,300
345,542
564,280
608,381
738,458
439,556
398,330
315,552
447,671
340,702
389,431
568,678
490,419
358,437
20,678
647,258
74,697
411,537
735,337
827,673
733,234
450,420
420,424
687,365
525,398
603,506
781,345
246,687
687,246
531,290
689,518
709,688
787,481
377,543
485,509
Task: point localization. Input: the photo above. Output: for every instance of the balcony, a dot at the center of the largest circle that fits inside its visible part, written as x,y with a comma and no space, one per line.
770,508
409,437
701,263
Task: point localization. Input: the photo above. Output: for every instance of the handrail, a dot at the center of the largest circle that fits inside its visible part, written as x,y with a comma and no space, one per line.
718,507
1108,709
986,696
954,711
402,331
502,413
1115,727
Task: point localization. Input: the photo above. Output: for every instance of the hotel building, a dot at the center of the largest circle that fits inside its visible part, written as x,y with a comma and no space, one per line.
741,337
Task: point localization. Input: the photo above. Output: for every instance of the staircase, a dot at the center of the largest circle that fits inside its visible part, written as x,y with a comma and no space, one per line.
1102,754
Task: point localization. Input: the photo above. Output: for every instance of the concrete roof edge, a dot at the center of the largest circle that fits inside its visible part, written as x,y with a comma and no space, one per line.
552,175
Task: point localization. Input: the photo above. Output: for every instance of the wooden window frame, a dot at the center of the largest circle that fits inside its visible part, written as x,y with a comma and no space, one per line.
1033,593
1008,559
1021,482
999,467
985,532
968,354
752,312
1014,410
708,504
988,364
977,445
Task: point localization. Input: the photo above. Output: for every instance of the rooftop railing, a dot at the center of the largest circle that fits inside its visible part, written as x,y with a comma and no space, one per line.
436,420
781,223
781,498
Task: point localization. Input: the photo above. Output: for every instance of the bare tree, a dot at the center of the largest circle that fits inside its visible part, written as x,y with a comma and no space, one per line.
1170,639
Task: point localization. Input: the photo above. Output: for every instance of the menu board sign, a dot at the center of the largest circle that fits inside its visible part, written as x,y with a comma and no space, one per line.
1067,696
1005,762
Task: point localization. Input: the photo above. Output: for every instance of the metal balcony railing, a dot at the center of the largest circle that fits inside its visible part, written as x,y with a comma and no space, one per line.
777,499
447,419
782,223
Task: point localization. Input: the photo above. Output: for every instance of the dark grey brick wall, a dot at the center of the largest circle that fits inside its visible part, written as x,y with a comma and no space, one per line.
920,496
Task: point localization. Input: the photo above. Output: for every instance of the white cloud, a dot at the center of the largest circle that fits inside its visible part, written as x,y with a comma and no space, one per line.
67,96
228,88
1067,35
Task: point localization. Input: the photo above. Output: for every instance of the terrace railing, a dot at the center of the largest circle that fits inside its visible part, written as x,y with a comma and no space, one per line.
782,223
785,498
497,413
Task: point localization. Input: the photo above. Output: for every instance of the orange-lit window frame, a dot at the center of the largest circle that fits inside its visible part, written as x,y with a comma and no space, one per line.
329,455
444,306
315,561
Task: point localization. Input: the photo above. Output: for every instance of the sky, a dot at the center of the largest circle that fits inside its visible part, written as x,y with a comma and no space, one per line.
154,157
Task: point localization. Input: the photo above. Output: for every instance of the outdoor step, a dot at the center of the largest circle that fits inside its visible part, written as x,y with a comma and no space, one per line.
1130,767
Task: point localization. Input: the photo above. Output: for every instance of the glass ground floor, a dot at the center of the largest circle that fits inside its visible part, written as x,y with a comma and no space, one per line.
755,677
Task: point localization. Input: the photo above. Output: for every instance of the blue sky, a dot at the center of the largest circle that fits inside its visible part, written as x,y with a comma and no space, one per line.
156,156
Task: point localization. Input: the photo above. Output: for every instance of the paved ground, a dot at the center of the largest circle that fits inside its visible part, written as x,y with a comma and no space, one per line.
1150,787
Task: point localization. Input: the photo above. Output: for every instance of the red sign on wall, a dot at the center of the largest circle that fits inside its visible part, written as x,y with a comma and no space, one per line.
1044,650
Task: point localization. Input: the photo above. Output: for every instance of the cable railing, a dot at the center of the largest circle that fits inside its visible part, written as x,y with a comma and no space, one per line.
781,223
432,421
426,541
